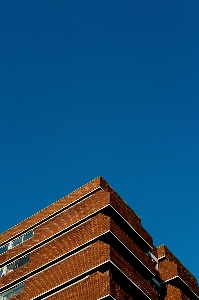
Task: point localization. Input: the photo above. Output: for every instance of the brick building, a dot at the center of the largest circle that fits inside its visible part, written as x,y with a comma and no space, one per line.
89,245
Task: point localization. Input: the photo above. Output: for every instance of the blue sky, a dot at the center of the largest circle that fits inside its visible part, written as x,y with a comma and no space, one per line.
106,88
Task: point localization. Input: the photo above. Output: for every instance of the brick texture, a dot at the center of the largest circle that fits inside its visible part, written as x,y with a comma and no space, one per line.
69,217
71,239
77,264
133,275
174,293
170,267
93,287
47,211
94,227
64,220
130,217
65,243
131,245
99,182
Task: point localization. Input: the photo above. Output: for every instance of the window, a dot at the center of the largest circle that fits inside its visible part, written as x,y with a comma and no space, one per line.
12,292
17,241
16,264
3,249
28,235
22,238
24,260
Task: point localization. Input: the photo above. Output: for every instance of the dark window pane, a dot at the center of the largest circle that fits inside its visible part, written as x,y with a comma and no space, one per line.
23,261
28,235
3,249
18,289
17,242
12,266
9,295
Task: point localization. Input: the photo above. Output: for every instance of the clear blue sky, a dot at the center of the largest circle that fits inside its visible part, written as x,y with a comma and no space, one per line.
106,88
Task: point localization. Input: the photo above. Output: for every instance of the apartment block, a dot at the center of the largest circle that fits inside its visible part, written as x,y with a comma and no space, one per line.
89,245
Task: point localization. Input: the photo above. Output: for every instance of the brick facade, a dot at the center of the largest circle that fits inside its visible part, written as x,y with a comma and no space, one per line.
89,245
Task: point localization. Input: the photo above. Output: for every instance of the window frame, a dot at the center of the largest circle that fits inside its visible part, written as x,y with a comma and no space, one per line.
11,245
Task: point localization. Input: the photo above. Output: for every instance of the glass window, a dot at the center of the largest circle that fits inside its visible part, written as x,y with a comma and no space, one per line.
6,295
14,291
13,266
17,242
23,260
16,264
18,289
4,249
1,272
28,235
9,295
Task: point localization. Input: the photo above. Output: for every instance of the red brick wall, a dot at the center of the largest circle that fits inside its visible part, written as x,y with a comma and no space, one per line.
51,209
60,246
67,269
170,267
173,293
93,287
118,293
94,255
133,275
167,269
76,237
68,218
130,217
63,202
132,246
60,222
